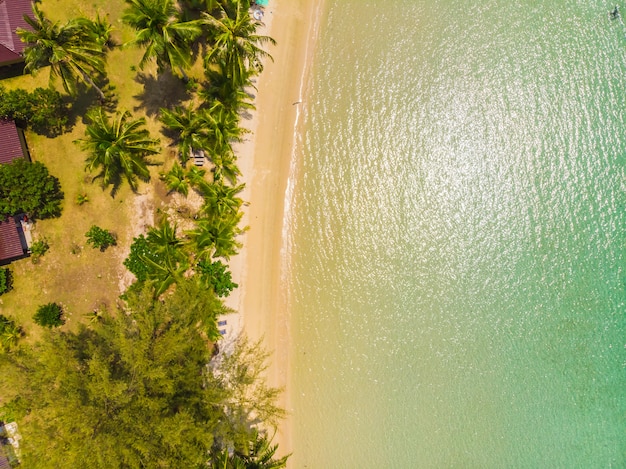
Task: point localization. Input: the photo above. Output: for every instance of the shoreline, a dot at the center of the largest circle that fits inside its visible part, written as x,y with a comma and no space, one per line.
266,159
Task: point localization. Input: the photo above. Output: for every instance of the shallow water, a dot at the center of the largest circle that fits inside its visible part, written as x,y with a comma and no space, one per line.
457,238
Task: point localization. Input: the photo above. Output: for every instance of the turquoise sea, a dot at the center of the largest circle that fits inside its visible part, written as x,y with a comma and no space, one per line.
456,238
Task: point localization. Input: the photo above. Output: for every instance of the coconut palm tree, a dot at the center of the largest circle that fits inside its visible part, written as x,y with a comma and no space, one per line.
222,131
220,200
73,51
219,87
235,42
259,455
191,130
162,30
215,237
168,261
118,147
175,180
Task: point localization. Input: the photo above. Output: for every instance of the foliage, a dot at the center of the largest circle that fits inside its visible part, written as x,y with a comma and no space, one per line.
215,275
49,315
140,384
6,283
161,29
158,257
10,333
73,51
235,44
175,180
216,237
82,198
27,187
43,110
100,238
38,249
257,454
136,260
118,148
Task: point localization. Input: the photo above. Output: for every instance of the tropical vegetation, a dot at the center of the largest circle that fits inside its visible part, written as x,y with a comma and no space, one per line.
49,315
99,238
73,51
118,147
27,187
148,380
43,109
136,385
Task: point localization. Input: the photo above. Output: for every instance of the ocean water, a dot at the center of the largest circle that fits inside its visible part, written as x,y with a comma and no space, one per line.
455,256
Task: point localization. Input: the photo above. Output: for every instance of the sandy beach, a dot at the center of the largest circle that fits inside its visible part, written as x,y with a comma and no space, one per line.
265,160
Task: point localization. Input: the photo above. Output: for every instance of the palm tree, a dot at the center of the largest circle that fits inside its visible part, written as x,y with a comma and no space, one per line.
259,455
220,200
235,42
175,180
118,148
216,237
168,261
219,87
192,131
73,51
162,30
222,130
10,333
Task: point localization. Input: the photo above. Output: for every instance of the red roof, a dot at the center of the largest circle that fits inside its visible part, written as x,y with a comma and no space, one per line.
10,143
12,17
10,244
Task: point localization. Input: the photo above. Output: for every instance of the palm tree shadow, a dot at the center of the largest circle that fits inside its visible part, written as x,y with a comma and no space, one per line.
163,90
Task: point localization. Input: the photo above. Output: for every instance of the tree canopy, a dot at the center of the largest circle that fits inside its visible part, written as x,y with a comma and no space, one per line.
74,51
118,147
28,187
134,389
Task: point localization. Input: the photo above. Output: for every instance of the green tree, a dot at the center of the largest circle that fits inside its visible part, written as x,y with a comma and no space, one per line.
6,280
140,384
99,238
49,315
158,257
162,30
191,131
28,187
118,148
10,333
235,42
43,110
258,453
220,200
175,180
219,87
215,276
215,238
72,50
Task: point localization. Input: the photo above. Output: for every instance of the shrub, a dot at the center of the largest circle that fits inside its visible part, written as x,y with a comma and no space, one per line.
38,249
82,199
136,260
43,110
100,238
215,275
49,315
27,187
10,333
5,280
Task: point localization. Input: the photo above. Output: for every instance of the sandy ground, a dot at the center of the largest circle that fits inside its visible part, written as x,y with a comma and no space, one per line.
265,160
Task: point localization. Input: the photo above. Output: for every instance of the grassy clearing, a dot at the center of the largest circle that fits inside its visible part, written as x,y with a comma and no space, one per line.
72,273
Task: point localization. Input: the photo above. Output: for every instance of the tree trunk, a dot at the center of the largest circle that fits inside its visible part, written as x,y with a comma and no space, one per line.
93,85
185,77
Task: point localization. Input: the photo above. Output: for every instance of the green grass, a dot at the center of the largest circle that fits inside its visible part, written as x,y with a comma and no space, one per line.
72,273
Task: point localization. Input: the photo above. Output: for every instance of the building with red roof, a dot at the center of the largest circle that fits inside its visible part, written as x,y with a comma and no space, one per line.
12,240
12,17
